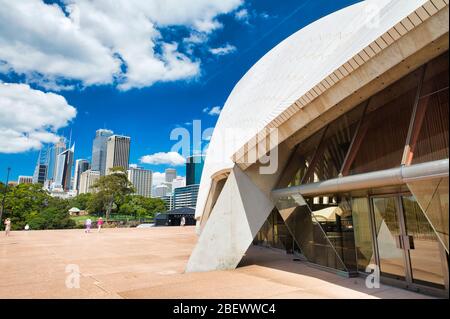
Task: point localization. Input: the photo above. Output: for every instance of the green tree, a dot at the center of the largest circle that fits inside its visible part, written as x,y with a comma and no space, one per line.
30,204
95,204
81,201
111,190
50,218
140,206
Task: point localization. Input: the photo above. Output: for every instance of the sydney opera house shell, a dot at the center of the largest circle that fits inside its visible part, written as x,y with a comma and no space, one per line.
334,148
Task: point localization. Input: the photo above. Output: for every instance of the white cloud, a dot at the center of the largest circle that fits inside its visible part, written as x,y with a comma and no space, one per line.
264,15
169,158
29,118
103,41
196,38
212,111
215,110
228,49
242,15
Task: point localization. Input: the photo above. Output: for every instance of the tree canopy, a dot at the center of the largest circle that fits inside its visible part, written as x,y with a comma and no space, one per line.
30,204
111,190
140,206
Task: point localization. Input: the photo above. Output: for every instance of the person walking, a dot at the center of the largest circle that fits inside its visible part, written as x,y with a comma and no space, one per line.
99,224
7,226
183,221
88,224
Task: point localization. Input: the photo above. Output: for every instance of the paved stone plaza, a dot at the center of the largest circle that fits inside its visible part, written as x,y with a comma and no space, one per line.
149,263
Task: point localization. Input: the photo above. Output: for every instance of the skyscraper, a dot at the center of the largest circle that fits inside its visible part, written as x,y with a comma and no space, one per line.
63,172
194,168
99,147
178,182
52,158
170,174
25,179
117,152
40,171
141,180
161,191
87,179
81,166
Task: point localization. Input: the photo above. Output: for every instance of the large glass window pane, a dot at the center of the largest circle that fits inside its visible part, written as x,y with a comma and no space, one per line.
320,157
425,249
330,153
334,214
432,197
282,237
274,233
436,77
392,260
265,235
362,233
433,143
384,133
309,235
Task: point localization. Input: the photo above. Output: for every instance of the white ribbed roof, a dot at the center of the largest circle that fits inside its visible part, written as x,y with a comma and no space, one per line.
290,70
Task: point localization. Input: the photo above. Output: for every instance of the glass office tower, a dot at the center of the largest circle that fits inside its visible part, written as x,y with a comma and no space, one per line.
194,168
99,150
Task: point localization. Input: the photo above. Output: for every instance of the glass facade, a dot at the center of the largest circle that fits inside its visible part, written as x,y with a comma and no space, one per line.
363,235
185,196
321,156
274,233
427,251
99,150
432,197
388,232
194,169
318,232
404,229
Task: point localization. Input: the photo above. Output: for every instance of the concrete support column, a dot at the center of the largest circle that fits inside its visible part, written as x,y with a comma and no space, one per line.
239,213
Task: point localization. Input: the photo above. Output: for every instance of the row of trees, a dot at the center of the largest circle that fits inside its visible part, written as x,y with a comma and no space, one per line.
30,204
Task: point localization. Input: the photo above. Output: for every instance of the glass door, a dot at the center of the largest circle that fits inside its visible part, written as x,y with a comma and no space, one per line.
427,256
388,235
408,249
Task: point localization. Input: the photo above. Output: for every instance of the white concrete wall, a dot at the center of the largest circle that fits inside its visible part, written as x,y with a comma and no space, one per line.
240,211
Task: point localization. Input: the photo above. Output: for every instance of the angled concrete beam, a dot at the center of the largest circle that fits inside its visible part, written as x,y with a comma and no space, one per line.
239,213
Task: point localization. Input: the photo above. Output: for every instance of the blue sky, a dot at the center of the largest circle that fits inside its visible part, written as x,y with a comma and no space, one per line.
142,99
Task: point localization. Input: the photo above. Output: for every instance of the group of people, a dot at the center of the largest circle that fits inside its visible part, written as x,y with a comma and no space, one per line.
88,224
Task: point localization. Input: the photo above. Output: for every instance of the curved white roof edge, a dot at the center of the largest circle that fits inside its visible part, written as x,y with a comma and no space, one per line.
289,71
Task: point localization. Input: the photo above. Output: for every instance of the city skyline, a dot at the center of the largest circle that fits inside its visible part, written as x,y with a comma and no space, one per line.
243,32
62,173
